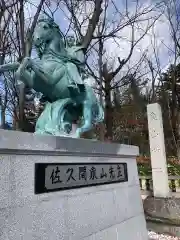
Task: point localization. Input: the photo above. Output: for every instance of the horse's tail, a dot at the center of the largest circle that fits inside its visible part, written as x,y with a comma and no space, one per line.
62,111
100,115
97,109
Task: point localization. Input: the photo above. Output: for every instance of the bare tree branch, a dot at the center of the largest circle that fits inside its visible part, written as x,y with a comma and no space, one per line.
92,23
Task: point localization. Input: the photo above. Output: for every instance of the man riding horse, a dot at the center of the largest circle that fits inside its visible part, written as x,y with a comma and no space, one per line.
73,56
57,74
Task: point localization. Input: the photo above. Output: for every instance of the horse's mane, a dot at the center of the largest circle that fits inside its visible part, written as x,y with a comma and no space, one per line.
40,52
66,42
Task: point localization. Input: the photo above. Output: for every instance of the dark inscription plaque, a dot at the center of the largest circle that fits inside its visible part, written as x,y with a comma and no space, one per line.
51,177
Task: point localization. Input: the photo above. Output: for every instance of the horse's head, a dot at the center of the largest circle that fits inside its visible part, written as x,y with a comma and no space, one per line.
45,32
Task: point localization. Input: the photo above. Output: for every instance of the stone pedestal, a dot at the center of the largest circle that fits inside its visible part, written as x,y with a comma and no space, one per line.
157,149
109,211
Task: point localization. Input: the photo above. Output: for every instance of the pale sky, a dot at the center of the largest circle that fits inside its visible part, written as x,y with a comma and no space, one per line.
160,29
163,39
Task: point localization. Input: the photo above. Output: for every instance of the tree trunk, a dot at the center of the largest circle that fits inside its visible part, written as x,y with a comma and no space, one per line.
174,111
21,107
108,109
100,63
3,116
26,48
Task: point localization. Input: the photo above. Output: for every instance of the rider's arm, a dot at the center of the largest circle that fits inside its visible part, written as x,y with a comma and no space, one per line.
77,54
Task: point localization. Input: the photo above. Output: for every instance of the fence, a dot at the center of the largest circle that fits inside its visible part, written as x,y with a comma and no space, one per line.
146,184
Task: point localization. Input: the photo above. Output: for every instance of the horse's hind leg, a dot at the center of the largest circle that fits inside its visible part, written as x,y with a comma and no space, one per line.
87,115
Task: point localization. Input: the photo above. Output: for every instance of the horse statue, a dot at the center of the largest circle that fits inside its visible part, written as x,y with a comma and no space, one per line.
58,75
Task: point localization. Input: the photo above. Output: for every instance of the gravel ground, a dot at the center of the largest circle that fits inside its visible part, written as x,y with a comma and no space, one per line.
155,236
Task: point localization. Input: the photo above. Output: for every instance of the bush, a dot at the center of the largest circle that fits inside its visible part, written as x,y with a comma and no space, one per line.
144,169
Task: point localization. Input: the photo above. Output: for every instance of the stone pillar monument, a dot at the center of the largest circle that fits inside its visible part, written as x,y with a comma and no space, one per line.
157,149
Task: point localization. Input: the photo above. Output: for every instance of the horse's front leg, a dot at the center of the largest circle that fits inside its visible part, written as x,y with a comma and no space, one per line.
41,73
24,74
37,69
26,63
